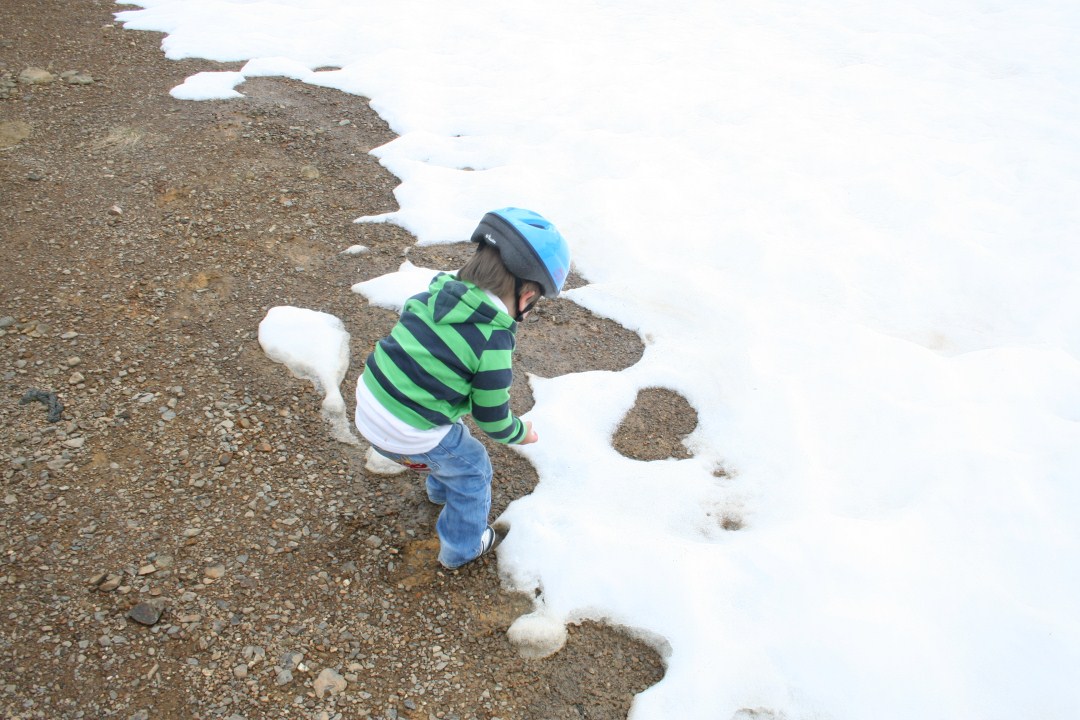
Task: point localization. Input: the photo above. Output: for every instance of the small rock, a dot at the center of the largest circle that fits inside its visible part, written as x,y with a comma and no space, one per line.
116,210
291,659
149,612
224,459
36,76
76,442
13,132
329,680
284,676
192,532
80,79
215,571
240,671
253,654
76,378
35,176
111,582
309,172
373,541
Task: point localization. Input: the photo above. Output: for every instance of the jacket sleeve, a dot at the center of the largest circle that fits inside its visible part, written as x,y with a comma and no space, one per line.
491,391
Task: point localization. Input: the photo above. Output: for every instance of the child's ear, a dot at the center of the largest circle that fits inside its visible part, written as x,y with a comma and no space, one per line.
527,298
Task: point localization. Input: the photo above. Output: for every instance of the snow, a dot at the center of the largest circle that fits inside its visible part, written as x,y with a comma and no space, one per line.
314,346
846,233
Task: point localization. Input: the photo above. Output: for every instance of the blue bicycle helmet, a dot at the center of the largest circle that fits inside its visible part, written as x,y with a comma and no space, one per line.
530,247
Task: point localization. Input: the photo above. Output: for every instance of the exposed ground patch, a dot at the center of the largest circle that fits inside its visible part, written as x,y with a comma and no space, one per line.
655,427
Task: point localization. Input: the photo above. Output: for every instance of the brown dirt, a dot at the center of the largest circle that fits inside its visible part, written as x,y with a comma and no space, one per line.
143,240
656,426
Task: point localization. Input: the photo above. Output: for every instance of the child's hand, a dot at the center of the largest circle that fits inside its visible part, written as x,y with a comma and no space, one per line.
530,434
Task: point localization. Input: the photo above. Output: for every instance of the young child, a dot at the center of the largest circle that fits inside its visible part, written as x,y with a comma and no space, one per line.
450,355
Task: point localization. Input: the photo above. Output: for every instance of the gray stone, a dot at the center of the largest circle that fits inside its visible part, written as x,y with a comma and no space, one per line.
291,659
147,613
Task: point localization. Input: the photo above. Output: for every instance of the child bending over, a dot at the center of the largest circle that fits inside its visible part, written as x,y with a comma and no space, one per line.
450,355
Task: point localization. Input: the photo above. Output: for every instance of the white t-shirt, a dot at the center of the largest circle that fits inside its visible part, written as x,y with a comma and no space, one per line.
387,431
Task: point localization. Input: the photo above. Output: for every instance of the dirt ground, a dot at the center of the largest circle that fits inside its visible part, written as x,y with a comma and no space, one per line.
185,540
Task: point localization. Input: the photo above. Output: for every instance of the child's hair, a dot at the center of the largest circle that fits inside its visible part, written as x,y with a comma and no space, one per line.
485,269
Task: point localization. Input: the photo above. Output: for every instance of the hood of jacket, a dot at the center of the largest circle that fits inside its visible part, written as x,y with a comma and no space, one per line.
456,301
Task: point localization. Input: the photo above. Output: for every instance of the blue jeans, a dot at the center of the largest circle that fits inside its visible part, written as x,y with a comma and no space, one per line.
459,474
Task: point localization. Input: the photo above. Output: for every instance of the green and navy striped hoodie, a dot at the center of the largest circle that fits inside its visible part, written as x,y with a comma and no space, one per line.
449,355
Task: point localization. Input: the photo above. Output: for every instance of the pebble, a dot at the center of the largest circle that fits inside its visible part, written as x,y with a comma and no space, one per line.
13,132
192,532
253,653
215,571
73,77
148,612
291,659
36,76
329,681
111,582
373,541
240,671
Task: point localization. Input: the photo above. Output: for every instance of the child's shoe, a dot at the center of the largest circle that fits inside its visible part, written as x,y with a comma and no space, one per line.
488,541
491,538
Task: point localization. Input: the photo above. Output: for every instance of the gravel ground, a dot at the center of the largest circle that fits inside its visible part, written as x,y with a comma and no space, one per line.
182,538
